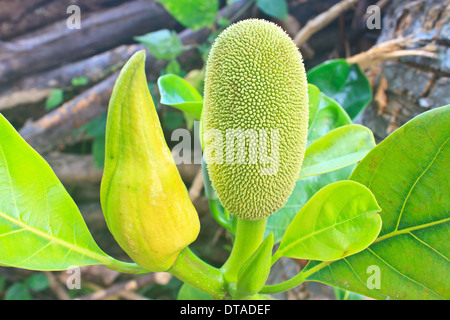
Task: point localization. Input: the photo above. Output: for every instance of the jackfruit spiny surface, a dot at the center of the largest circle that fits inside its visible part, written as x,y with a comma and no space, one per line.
255,80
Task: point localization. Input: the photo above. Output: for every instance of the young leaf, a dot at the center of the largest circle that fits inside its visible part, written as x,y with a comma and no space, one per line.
190,293
274,8
337,149
408,173
55,99
163,44
314,99
195,14
304,189
40,225
343,82
330,115
339,220
254,272
178,93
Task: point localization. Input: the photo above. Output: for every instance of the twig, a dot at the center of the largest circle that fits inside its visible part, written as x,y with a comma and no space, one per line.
197,186
390,50
56,287
321,21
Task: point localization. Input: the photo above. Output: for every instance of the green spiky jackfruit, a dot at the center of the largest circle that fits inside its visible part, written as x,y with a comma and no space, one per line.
255,117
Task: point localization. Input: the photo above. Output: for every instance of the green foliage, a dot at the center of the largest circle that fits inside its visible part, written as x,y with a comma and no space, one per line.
163,44
337,149
339,220
274,8
40,225
23,290
95,129
55,99
254,272
408,175
178,93
343,82
193,14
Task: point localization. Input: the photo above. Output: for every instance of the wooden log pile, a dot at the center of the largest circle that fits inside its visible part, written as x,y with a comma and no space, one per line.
39,53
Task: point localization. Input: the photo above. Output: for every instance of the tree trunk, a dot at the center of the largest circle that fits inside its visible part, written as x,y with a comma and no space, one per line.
411,85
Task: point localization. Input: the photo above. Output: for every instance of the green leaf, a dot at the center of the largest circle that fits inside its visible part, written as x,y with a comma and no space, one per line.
339,220
41,228
274,8
18,291
178,93
37,282
193,14
330,115
347,295
337,149
254,272
408,173
163,44
80,81
190,293
314,99
55,99
343,82
304,189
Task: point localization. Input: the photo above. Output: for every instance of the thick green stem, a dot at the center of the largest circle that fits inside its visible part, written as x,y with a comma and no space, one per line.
124,267
294,281
249,235
198,274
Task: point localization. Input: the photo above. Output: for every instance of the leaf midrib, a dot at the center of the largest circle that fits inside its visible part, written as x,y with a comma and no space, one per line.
85,252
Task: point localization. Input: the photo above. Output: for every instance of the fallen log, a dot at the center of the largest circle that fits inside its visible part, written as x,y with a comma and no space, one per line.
20,16
36,88
55,44
50,131
410,85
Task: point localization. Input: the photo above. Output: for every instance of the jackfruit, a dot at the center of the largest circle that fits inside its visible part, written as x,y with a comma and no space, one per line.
255,117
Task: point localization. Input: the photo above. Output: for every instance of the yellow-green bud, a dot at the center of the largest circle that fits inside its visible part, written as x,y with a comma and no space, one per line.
255,92
145,202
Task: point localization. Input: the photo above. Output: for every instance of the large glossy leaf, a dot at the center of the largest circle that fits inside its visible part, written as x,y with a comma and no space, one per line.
343,82
193,14
178,93
337,149
408,174
339,220
329,115
40,225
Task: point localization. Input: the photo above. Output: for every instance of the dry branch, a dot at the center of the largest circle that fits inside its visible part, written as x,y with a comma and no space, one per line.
36,88
55,44
322,20
20,16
